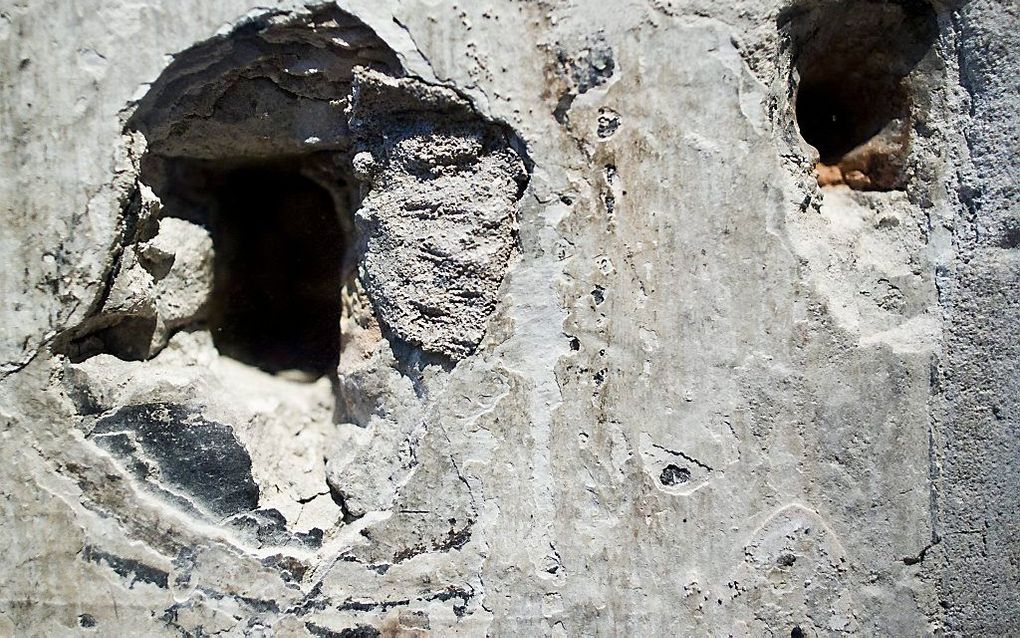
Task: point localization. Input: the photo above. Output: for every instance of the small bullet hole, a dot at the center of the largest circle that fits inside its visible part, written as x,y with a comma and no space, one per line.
787,560
125,337
86,621
610,201
673,475
853,101
575,344
608,122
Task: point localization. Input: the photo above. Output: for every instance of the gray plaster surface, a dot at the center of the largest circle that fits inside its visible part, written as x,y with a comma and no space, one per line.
611,360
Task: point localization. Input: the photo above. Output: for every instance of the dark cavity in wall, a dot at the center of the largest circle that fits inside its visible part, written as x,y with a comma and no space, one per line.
252,136
280,253
674,475
278,265
247,136
855,99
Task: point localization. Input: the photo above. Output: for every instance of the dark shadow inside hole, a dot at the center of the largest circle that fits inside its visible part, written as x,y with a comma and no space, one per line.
855,97
838,111
126,337
279,249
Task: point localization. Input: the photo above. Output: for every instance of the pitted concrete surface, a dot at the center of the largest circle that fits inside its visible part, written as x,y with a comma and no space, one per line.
420,318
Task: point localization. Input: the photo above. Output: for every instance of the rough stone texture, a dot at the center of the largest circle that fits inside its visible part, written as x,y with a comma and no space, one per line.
978,380
659,377
438,221
275,84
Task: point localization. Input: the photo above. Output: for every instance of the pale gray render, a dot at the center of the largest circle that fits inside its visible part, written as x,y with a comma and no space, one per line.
426,317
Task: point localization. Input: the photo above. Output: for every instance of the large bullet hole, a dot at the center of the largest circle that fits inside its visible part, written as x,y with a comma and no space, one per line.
840,111
247,137
251,140
854,99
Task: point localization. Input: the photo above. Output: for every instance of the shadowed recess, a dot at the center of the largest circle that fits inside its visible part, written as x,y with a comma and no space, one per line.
247,136
838,114
279,254
855,102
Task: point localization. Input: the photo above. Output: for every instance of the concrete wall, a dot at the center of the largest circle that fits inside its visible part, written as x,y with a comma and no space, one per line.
695,392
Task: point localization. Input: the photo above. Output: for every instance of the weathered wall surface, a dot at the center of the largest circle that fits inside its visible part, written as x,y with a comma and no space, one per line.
978,412
612,361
